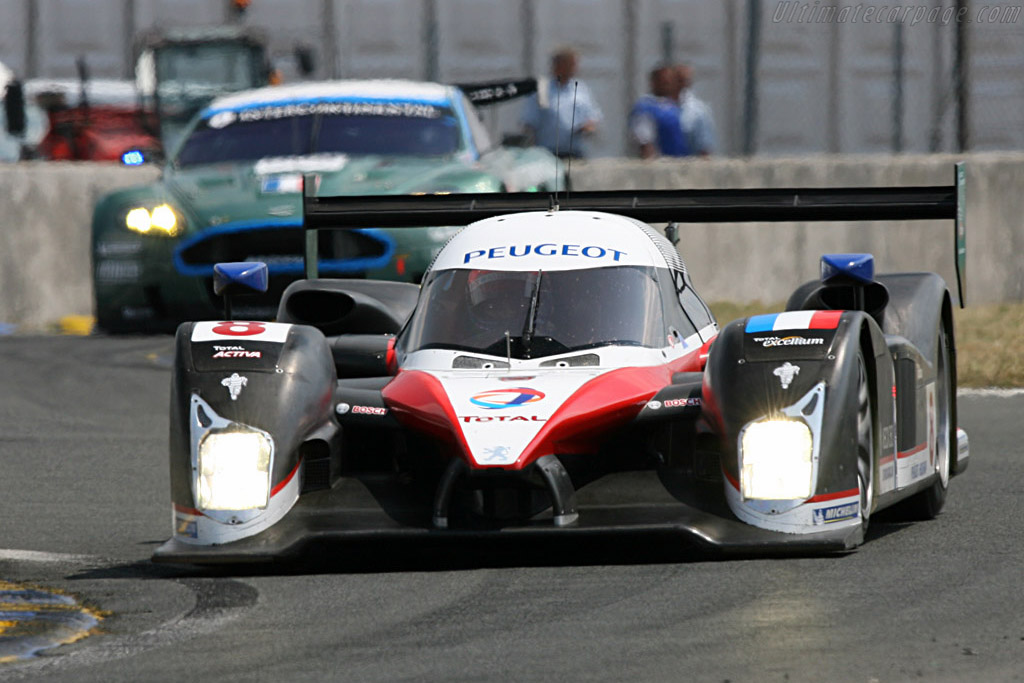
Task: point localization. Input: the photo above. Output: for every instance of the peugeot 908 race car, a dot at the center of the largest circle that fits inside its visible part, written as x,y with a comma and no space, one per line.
558,374
231,191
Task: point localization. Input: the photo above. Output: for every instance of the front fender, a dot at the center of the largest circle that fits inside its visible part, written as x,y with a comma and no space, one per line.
284,379
755,373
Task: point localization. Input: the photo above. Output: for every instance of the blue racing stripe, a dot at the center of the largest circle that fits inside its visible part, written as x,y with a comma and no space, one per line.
761,323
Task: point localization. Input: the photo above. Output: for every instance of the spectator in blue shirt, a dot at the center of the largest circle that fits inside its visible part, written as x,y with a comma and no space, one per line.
562,112
655,123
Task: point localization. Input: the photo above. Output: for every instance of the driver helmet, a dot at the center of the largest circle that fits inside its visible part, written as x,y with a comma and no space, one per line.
494,296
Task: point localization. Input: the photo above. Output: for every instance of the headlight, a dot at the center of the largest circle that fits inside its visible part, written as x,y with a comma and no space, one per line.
776,460
160,220
234,470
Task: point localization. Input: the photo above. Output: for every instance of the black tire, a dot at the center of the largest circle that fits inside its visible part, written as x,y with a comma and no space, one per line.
928,503
865,442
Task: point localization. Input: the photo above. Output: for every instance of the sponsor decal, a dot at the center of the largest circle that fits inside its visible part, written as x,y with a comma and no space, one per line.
654,405
237,330
794,320
502,418
342,408
185,526
786,373
281,211
234,384
235,352
681,402
591,251
836,513
497,453
282,184
521,378
272,112
369,410
512,397
792,340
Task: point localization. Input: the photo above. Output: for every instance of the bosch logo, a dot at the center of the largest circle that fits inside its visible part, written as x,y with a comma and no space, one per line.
506,398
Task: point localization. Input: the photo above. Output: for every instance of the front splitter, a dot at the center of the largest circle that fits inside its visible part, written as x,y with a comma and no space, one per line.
351,513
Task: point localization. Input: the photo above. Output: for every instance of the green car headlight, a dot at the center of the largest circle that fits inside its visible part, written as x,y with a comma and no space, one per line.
776,460
234,470
160,220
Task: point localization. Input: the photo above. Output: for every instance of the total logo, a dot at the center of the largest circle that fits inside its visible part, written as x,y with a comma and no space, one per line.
511,397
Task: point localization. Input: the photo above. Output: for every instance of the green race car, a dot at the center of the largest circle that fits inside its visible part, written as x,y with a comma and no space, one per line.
232,191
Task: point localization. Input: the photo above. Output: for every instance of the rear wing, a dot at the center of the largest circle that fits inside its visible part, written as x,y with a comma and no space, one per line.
651,206
493,92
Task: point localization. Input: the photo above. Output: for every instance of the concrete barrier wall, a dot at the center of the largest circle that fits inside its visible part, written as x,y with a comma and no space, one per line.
45,214
45,211
765,261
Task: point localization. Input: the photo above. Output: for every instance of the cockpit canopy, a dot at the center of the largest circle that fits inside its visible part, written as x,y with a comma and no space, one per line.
543,313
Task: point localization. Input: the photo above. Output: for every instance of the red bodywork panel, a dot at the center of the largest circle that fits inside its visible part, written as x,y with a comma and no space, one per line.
579,425
98,133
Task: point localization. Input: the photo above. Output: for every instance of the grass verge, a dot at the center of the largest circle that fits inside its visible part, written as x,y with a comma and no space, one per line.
988,340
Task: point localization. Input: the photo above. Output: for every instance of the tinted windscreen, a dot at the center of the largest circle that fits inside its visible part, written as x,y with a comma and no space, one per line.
544,313
228,66
229,136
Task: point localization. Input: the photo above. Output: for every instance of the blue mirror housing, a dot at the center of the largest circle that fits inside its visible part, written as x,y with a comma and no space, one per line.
850,268
240,278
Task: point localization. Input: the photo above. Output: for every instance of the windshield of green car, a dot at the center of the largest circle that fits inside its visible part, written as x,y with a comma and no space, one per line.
300,129
542,313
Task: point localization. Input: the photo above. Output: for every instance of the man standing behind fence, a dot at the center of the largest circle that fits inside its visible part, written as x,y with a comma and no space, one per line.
695,115
562,111
655,123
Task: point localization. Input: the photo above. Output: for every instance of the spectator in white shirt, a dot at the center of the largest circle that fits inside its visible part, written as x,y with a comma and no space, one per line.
695,115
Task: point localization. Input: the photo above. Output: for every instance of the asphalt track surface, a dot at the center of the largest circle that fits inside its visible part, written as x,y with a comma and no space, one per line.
84,495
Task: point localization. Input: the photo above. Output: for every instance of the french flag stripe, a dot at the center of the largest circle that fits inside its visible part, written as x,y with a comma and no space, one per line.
825,320
761,323
793,320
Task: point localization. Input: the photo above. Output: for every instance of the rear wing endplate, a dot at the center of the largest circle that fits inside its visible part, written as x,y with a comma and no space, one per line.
651,206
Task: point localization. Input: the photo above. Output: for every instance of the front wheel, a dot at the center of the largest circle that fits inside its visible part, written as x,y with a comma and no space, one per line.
865,443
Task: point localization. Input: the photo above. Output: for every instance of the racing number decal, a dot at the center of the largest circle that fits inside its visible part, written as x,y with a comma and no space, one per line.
239,329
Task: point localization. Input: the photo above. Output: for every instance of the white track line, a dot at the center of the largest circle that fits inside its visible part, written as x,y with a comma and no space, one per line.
991,391
39,556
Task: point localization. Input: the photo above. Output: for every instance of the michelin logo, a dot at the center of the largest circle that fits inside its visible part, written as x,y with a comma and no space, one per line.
836,513
549,249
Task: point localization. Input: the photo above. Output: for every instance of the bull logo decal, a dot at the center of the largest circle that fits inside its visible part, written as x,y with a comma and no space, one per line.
786,373
234,383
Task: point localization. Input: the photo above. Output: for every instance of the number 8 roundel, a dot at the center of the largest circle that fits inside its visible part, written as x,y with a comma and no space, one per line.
212,330
239,329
